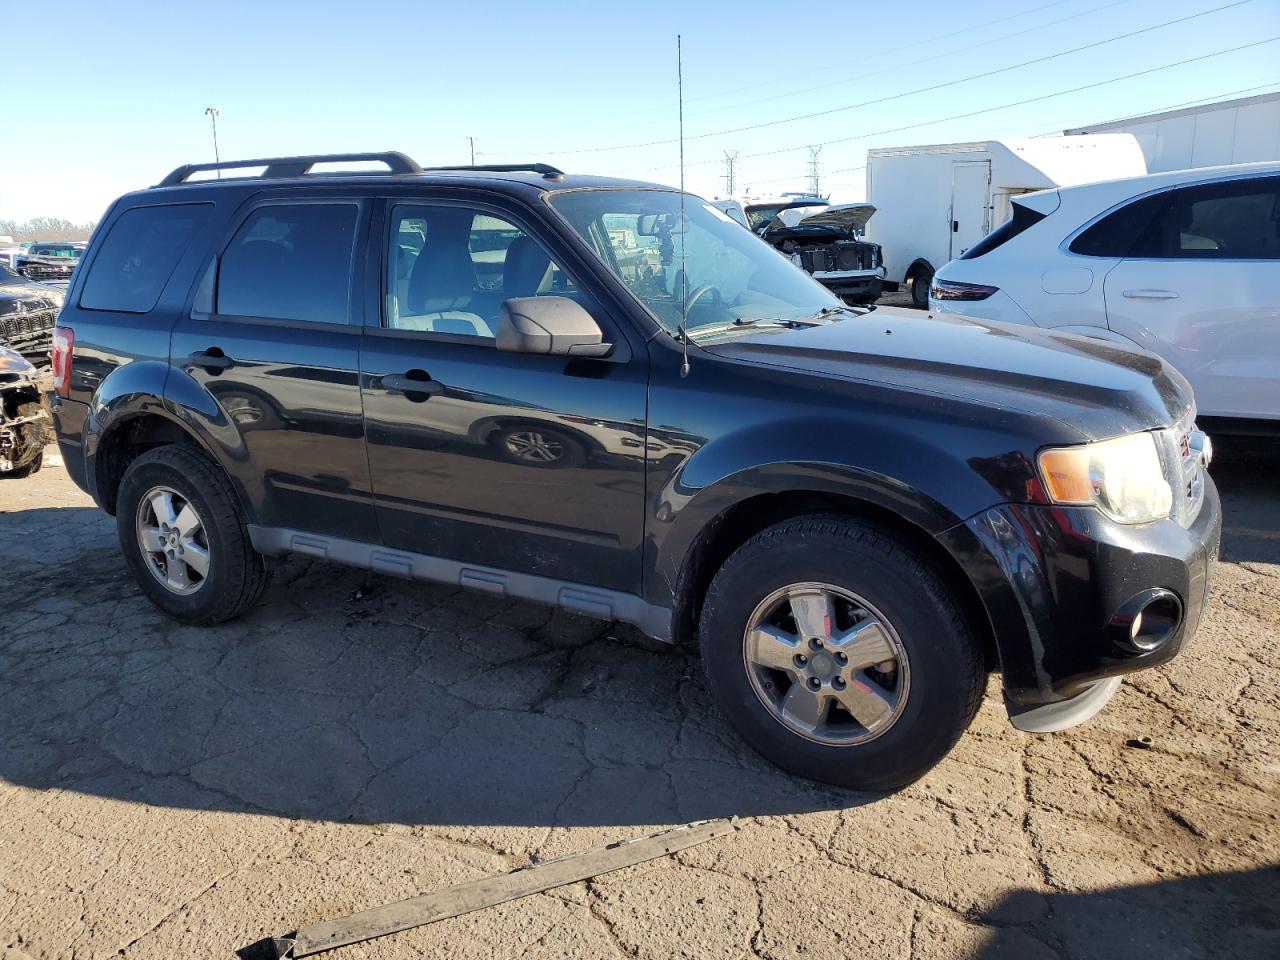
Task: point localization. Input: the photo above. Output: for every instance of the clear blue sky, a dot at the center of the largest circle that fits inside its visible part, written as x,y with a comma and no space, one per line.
121,98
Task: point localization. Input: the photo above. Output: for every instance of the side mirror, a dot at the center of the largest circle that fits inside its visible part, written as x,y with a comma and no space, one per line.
554,326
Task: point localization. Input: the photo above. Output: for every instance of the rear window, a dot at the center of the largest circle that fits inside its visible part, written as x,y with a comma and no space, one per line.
290,262
1022,219
137,256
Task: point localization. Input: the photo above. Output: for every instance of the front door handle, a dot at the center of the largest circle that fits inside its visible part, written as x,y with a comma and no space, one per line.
416,385
212,360
1149,295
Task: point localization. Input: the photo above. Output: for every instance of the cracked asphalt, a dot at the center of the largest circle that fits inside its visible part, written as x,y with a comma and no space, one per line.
172,792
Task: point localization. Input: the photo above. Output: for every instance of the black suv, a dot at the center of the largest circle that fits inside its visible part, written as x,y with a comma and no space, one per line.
608,396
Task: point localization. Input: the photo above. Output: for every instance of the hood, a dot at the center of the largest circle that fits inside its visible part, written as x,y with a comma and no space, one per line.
20,295
849,216
1096,388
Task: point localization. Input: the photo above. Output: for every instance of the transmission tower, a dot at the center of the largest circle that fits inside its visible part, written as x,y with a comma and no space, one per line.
730,181
813,171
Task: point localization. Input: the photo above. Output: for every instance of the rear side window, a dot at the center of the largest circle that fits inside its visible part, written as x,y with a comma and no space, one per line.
290,262
1022,219
138,254
1116,233
1232,220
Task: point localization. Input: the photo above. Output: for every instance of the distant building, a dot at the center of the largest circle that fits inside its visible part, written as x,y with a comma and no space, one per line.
1230,131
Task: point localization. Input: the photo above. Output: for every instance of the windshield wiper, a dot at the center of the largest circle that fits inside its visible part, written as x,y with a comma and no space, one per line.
778,321
856,311
791,323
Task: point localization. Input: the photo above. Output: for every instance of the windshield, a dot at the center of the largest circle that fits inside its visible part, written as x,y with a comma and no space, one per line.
731,274
55,250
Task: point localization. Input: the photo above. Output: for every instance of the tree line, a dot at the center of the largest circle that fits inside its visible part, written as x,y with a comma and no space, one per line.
45,228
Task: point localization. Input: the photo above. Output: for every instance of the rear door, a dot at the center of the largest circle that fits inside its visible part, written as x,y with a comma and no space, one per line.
532,464
1199,288
273,337
970,204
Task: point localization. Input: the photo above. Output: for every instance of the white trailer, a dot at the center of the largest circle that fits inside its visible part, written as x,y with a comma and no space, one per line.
934,202
1245,130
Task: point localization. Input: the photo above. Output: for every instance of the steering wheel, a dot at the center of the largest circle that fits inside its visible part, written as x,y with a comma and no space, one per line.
699,293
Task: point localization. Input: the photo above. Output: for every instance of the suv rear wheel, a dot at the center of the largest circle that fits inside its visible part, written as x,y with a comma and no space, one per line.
184,539
838,654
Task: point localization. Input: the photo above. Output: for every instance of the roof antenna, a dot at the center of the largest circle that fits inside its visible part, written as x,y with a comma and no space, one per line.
684,274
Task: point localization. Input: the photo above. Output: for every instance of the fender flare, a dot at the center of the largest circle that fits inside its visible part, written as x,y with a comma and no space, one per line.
729,471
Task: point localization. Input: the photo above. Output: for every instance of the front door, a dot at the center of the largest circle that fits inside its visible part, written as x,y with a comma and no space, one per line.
970,204
1199,288
271,338
533,464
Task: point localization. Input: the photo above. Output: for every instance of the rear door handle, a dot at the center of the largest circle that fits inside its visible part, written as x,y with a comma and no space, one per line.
416,385
212,360
1149,295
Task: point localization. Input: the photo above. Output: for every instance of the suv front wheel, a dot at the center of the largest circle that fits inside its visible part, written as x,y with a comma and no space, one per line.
839,654
182,534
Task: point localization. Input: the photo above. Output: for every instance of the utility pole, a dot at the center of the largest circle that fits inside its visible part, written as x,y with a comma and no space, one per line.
730,182
213,113
813,171
472,141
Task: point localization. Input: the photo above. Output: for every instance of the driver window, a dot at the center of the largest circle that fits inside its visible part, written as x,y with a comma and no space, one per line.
450,268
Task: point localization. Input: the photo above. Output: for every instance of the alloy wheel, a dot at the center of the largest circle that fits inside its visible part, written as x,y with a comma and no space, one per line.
172,539
533,446
826,663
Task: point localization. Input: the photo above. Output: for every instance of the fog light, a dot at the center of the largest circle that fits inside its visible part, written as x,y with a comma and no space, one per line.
1147,621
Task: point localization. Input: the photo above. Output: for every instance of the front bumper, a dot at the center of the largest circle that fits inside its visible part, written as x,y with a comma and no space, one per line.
1057,583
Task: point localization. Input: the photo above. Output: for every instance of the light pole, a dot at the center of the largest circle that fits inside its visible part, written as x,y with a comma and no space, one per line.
213,113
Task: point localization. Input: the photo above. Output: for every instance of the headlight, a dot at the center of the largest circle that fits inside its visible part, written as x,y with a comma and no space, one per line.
1122,477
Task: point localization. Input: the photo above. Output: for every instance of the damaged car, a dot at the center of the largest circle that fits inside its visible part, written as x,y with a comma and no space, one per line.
28,312
25,424
50,262
825,241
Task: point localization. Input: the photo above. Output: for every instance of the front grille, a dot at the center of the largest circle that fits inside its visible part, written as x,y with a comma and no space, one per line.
46,271
31,334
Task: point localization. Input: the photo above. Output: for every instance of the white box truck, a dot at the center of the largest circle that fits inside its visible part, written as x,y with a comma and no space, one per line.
934,202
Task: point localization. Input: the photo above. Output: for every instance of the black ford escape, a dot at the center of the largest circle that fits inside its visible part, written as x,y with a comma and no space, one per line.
602,395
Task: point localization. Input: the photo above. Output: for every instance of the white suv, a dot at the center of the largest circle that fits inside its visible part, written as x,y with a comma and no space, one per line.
1185,264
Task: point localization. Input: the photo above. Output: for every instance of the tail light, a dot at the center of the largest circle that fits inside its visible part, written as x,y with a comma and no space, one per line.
955,290
64,345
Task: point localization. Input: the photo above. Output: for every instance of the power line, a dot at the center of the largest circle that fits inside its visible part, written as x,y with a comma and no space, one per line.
985,110
1057,131
948,35
861,77
910,93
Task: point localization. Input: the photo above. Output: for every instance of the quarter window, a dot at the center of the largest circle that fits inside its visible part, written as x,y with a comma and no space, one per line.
449,269
1116,233
290,262
137,256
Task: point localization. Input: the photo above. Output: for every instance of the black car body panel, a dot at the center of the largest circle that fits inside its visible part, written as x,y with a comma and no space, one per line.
934,423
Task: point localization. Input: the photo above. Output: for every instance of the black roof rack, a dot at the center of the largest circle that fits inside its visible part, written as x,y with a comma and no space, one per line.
548,171
278,167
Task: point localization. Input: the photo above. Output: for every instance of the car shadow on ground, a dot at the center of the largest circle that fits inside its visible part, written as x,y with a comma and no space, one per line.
1217,915
350,696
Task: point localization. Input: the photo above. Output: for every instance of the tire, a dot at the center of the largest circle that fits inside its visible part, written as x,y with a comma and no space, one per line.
920,288
27,469
936,681
534,445
236,575
30,409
